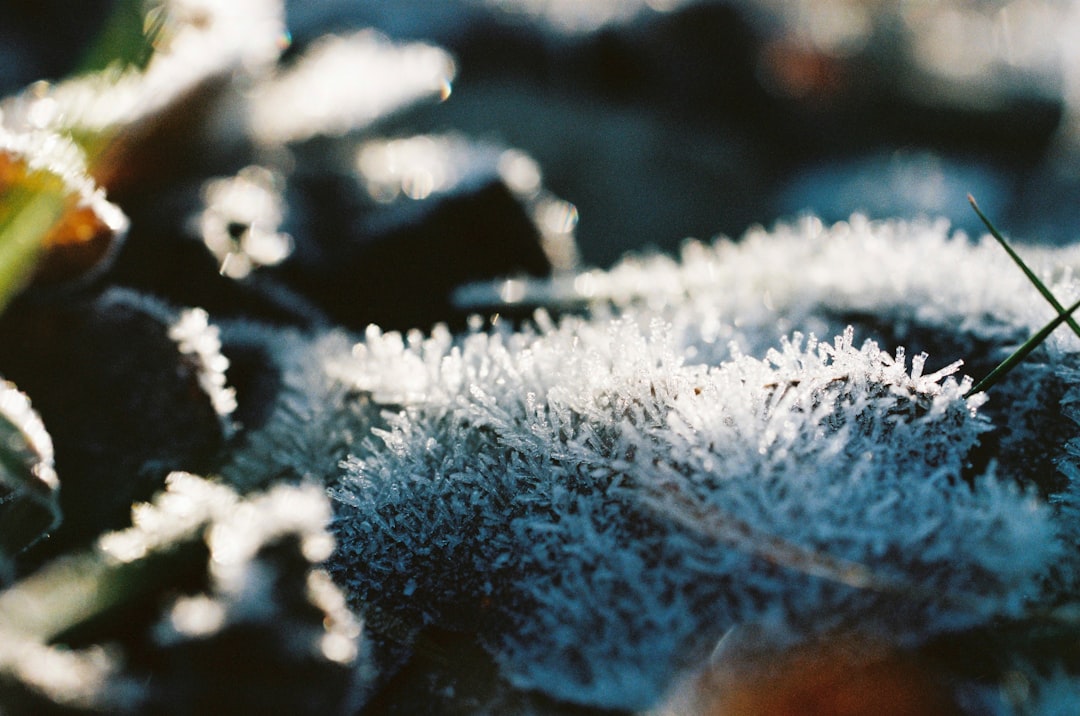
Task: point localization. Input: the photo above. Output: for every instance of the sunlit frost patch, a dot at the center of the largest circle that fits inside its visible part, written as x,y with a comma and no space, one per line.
598,498
308,419
346,83
198,40
601,508
802,275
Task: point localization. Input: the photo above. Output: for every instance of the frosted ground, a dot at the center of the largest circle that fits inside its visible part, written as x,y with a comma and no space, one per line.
706,443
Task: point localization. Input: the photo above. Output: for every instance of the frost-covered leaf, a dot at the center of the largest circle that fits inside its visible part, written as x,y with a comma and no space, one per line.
233,616
137,125
28,481
55,223
342,84
798,276
598,499
536,484
130,389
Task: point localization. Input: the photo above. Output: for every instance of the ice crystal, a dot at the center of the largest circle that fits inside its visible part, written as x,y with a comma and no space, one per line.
599,506
33,446
40,151
188,504
305,420
1067,500
197,340
910,283
804,275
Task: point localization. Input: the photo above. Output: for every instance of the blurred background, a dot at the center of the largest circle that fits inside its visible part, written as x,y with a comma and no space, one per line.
659,120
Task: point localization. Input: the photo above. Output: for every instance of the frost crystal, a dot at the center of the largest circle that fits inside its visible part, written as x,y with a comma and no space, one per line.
198,341
306,420
88,230
808,276
601,508
597,499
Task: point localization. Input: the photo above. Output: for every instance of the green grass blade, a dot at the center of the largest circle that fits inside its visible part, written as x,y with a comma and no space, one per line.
1022,352
22,236
1069,320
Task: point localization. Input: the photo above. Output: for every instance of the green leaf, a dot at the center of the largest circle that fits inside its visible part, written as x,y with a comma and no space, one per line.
128,38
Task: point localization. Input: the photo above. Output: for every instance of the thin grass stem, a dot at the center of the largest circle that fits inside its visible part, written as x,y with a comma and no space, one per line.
1022,352
1070,321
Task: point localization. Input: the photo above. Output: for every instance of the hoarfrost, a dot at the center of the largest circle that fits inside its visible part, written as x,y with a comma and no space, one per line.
804,275
198,341
619,506
310,418
600,497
